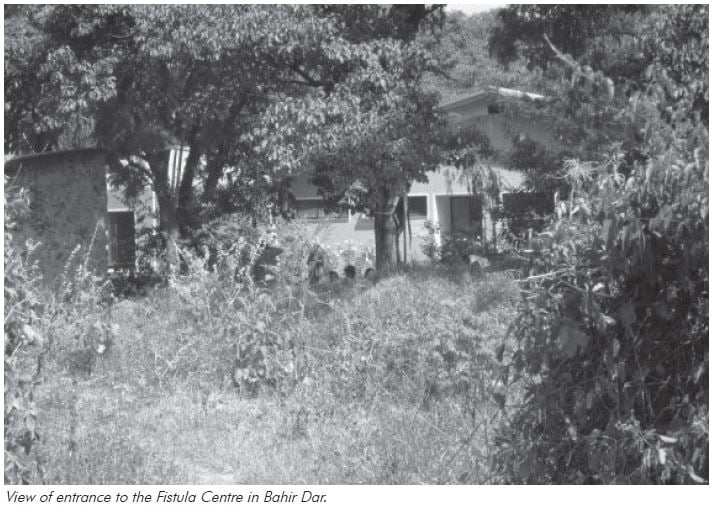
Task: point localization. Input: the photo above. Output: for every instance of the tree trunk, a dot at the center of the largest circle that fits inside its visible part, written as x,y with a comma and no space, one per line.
399,262
214,171
494,222
386,235
216,163
407,226
185,191
168,226
167,206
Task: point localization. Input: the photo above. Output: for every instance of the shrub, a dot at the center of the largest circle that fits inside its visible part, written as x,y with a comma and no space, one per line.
453,248
612,335
444,354
230,242
25,347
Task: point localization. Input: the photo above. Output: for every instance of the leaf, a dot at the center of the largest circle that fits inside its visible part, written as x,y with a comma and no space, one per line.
33,337
572,339
571,430
499,399
30,424
616,345
663,311
499,352
525,467
668,440
608,320
695,477
627,317
662,456
589,401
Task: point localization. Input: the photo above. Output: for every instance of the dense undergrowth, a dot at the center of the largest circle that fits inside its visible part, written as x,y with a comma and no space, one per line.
24,347
613,335
213,379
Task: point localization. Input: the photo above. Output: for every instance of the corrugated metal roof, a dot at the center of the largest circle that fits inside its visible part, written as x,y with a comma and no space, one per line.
490,93
12,162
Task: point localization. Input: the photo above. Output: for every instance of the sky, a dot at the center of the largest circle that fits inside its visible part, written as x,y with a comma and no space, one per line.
473,8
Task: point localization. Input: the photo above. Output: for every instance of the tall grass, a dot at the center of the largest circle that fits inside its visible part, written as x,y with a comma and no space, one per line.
214,379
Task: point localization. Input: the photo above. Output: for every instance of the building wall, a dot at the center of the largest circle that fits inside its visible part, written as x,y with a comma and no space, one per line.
357,229
447,182
68,201
502,129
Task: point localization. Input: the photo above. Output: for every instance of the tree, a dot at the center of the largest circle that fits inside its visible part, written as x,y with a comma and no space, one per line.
520,30
24,349
390,132
613,338
467,64
265,90
375,171
186,75
26,130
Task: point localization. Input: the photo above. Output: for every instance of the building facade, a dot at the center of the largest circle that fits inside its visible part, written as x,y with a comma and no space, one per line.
76,211
447,200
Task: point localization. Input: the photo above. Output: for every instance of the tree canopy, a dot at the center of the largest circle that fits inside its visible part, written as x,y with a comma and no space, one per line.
462,46
268,90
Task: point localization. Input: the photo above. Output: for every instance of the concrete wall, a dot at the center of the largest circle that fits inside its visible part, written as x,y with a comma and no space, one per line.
441,185
448,181
502,129
68,203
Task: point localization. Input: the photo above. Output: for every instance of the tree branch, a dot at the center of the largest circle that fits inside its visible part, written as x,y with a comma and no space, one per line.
564,58
310,80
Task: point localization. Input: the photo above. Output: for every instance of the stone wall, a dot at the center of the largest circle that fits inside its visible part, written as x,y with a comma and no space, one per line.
68,203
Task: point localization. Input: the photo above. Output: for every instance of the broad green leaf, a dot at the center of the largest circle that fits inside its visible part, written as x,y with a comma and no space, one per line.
572,339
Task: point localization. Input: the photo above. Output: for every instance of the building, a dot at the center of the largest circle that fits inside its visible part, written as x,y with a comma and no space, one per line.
447,199
77,215
73,203
64,212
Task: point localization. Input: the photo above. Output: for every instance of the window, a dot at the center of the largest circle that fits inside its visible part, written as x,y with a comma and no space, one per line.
122,242
466,214
494,109
417,208
522,203
313,210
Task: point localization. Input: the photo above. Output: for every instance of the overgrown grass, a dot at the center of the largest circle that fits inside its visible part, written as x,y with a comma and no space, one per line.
388,383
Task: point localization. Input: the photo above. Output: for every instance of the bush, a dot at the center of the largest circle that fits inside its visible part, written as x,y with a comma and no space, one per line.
25,347
612,335
454,247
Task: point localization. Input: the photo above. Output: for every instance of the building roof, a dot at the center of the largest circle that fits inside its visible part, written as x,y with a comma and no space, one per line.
491,94
13,162
474,99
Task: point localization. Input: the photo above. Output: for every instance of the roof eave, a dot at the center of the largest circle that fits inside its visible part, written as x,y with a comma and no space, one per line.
492,93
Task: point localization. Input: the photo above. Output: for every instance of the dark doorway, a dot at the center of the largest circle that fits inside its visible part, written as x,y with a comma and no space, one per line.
466,214
122,240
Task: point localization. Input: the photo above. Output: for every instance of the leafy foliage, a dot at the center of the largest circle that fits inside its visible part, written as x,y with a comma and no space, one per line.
613,332
467,64
25,346
454,248
268,92
521,27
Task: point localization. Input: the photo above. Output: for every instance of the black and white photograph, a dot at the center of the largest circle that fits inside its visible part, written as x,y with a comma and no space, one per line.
310,245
